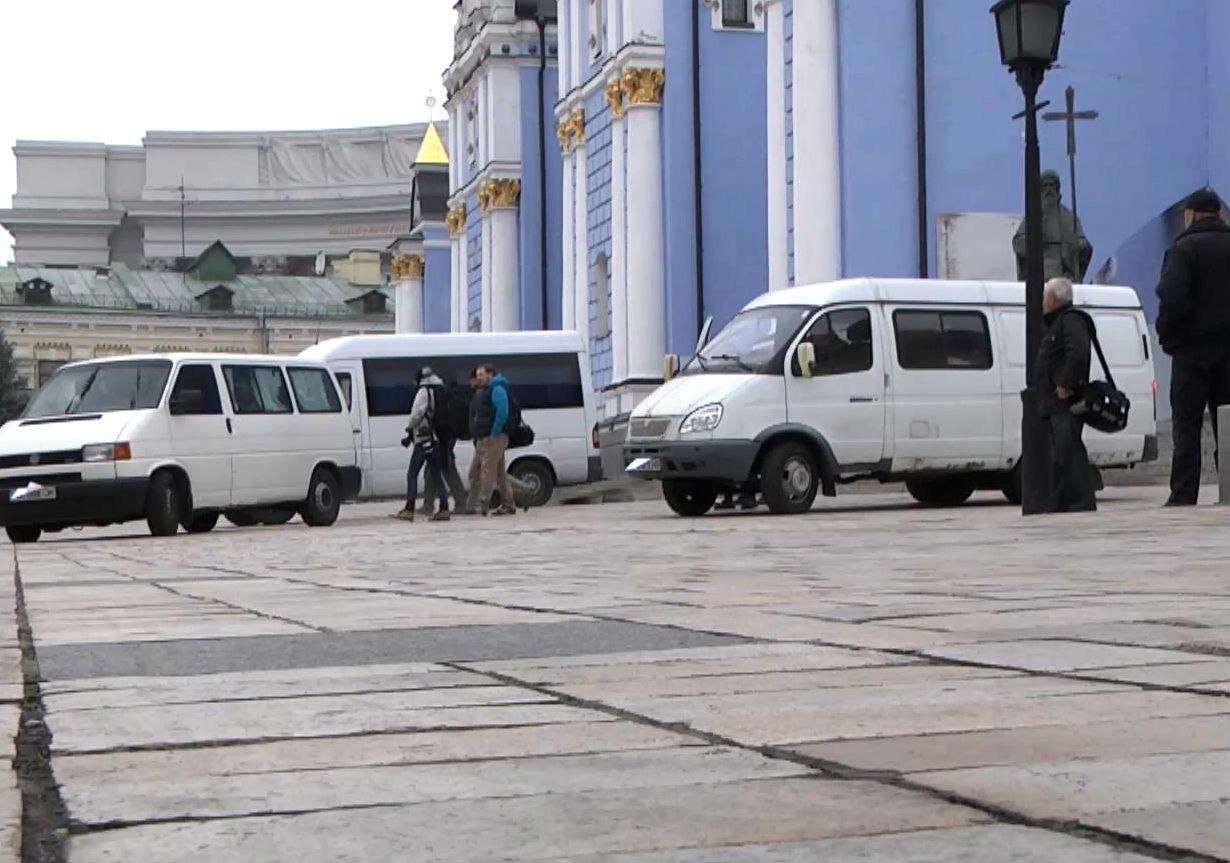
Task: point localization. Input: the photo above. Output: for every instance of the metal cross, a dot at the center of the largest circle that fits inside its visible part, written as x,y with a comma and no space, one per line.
1070,117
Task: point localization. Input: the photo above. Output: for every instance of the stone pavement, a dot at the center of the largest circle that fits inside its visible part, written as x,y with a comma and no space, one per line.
610,684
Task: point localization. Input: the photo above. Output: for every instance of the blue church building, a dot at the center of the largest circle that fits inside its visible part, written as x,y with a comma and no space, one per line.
669,160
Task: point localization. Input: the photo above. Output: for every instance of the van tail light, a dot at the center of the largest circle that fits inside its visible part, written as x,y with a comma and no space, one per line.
1155,399
594,437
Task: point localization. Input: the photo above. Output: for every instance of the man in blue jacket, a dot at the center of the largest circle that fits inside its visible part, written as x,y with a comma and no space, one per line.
489,425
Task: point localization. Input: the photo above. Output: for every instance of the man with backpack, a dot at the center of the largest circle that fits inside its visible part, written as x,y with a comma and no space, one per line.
452,423
494,413
421,433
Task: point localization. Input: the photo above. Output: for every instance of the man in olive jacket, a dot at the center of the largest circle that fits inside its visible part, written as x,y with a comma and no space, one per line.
1193,325
1061,375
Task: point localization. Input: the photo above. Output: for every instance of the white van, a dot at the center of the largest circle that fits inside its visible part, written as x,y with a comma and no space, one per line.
178,439
548,373
910,380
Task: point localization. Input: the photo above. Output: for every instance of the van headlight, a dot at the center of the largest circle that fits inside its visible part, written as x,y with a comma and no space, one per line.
704,419
97,452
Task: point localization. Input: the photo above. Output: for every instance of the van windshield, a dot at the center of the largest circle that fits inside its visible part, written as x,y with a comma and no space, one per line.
749,343
99,387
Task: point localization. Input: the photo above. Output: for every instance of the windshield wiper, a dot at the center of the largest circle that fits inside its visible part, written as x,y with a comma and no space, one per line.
72,406
733,358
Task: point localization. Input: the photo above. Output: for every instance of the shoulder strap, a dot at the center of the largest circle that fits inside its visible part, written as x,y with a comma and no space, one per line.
1097,345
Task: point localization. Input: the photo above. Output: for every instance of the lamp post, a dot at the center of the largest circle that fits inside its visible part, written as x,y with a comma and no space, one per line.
1029,32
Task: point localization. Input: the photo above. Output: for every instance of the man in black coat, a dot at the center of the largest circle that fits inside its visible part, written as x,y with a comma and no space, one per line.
1193,325
1061,375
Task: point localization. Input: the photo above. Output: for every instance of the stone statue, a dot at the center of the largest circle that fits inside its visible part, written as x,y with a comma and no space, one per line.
1065,251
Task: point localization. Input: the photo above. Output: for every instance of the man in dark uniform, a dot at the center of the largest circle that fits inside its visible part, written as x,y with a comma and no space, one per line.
1062,373
1193,325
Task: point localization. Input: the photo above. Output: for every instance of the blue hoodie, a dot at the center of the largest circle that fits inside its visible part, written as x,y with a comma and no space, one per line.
498,390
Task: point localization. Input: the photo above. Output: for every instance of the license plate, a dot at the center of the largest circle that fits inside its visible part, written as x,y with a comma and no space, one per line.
32,492
644,465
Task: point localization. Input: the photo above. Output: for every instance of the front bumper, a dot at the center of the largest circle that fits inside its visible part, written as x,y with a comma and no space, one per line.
104,501
729,460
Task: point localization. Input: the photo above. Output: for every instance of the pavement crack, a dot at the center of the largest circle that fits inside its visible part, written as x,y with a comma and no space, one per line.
44,817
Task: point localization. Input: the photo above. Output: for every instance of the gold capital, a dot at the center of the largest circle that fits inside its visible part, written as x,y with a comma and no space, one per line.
563,131
406,267
615,97
571,131
643,86
499,194
455,220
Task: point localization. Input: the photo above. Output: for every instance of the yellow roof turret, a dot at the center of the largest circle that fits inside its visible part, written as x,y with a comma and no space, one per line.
431,151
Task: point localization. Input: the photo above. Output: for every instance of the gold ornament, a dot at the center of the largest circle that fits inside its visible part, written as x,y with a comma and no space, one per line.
499,194
643,86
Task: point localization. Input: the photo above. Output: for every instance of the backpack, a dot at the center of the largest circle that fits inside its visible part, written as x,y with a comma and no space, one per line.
520,435
444,416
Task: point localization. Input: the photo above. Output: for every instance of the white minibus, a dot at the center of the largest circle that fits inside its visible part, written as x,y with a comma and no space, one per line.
893,380
178,440
548,373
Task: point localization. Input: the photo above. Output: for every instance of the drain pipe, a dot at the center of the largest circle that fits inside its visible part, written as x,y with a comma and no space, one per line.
542,167
920,101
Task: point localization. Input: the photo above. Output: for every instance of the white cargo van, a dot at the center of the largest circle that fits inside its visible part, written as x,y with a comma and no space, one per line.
548,373
884,379
178,439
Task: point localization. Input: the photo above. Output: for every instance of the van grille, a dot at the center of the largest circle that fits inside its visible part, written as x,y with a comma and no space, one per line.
650,428
36,459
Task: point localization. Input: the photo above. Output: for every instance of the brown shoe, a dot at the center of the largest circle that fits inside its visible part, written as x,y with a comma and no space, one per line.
442,515
405,515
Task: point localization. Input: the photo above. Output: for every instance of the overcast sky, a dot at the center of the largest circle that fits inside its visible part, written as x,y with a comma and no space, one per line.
109,70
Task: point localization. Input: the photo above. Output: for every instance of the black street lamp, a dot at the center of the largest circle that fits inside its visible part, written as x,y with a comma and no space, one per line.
1029,32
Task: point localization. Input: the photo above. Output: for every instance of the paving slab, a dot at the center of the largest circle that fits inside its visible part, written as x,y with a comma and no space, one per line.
1024,746
1200,827
298,791
1068,789
1062,655
603,734
540,827
994,844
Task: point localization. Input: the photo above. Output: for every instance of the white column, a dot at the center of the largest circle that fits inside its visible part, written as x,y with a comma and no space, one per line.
619,251
408,313
776,142
457,305
568,302
579,263
484,291
502,198
817,166
646,276
564,41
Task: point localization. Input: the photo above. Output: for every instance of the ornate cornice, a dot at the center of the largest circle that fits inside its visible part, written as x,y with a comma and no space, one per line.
643,86
406,267
499,194
455,221
571,131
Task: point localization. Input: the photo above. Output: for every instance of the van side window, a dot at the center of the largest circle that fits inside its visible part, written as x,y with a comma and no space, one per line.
942,340
197,384
257,389
314,391
842,340
346,382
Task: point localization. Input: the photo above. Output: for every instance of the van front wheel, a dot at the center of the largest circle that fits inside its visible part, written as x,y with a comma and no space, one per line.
941,491
20,533
689,498
163,504
789,479
324,500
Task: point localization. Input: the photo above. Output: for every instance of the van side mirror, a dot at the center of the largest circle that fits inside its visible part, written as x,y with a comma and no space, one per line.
187,402
806,354
670,366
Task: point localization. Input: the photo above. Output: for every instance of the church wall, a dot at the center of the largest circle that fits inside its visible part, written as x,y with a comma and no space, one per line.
1138,62
598,143
531,204
788,37
437,280
474,265
879,174
678,177
734,176
1218,65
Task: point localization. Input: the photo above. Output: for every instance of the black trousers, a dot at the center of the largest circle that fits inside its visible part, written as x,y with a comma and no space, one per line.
1072,483
1199,379
425,454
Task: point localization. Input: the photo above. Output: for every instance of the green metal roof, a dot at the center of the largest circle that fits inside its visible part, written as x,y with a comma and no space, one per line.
120,288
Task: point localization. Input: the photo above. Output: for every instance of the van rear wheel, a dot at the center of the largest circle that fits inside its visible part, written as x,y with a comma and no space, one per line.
241,518
689,498
22,533
789,479
538,481
324,500
163,504
941,491
202,522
